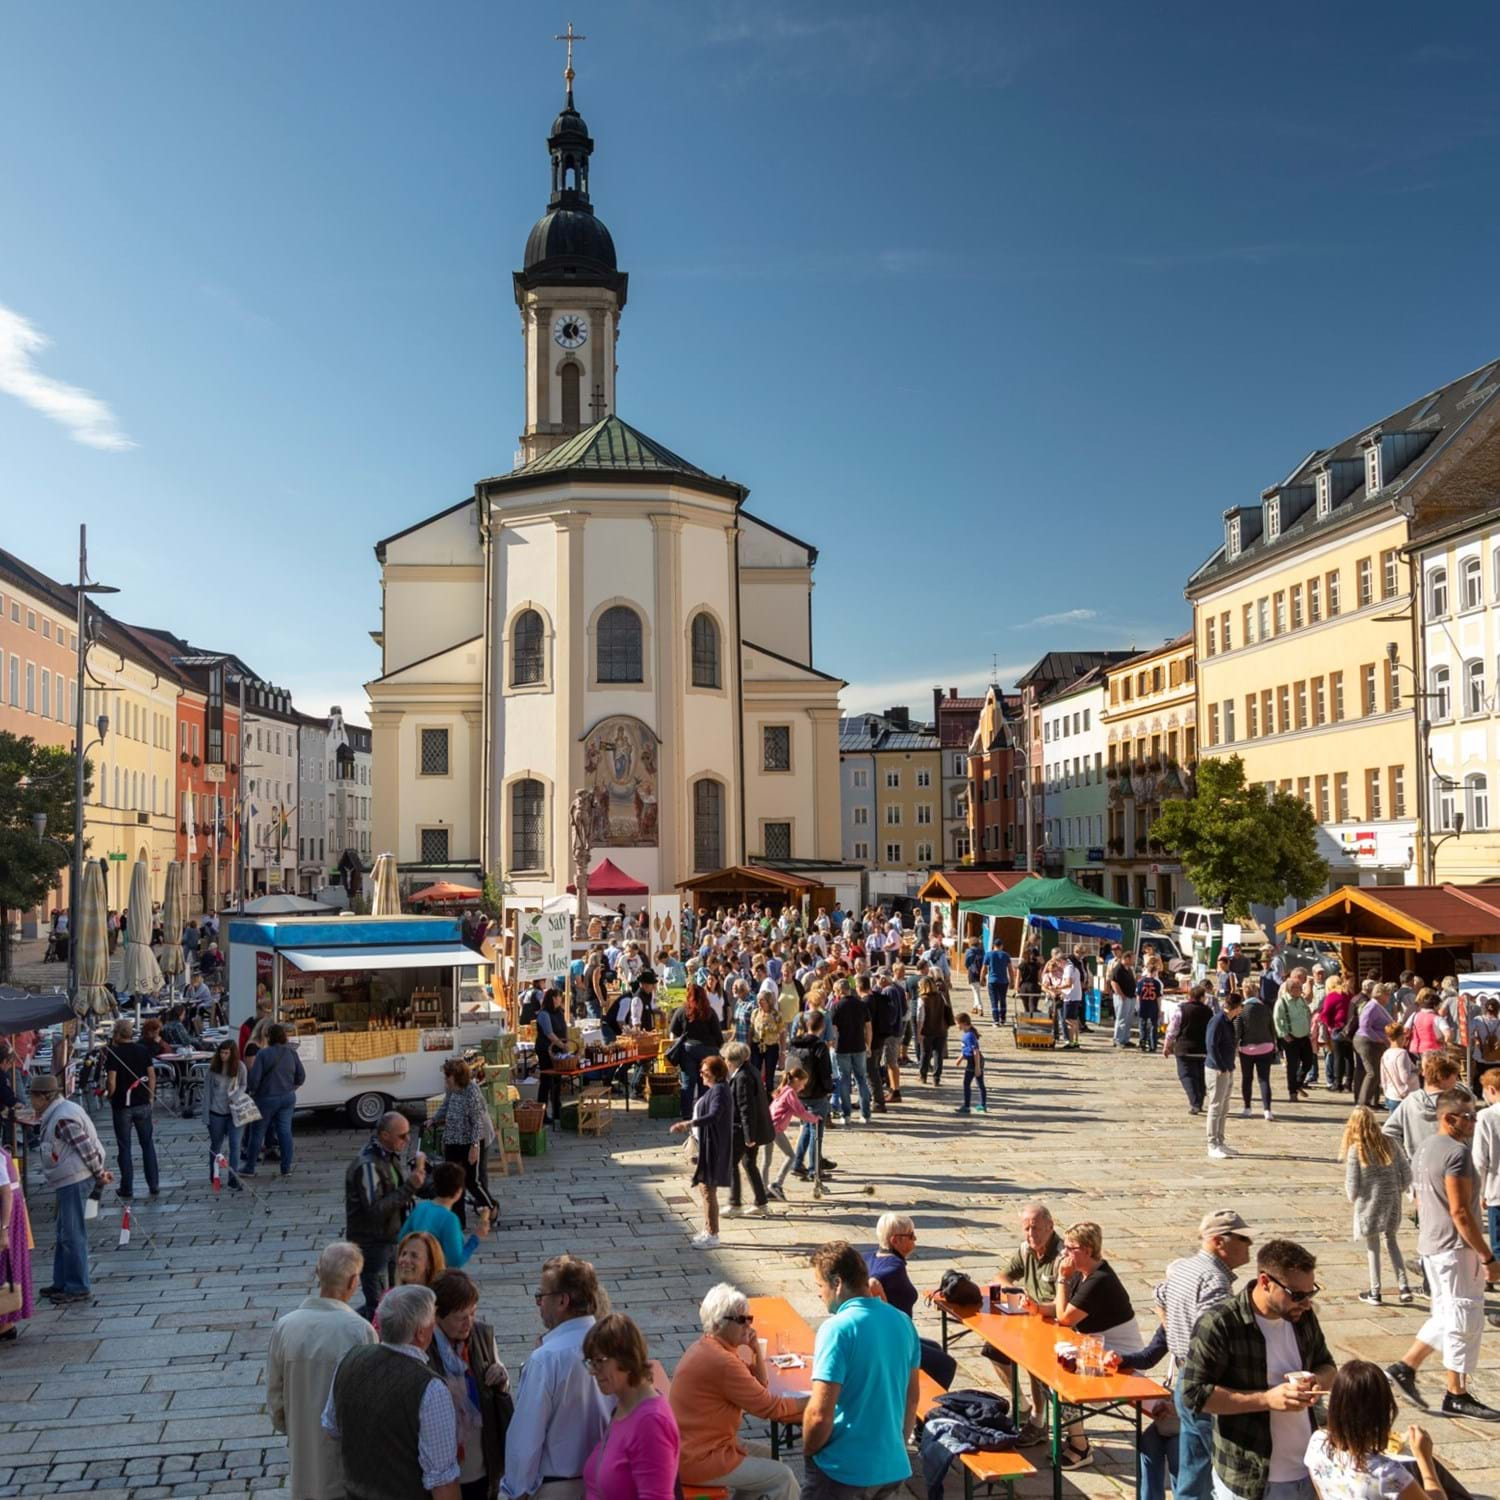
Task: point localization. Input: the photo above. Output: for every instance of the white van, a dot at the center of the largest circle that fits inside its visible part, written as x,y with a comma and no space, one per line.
1190,923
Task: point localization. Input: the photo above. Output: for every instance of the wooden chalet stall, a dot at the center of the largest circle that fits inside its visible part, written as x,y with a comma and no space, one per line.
947,889
735,884
1434,930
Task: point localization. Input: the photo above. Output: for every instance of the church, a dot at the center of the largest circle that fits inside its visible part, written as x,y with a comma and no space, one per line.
607,616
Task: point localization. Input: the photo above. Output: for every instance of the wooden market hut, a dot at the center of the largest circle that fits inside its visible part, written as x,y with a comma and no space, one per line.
1380,930
750,883
947,889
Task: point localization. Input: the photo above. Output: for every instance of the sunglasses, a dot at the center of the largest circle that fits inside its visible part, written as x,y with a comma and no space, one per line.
1295,1296
743,1318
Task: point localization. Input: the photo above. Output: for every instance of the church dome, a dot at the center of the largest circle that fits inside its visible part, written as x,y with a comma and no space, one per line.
565,235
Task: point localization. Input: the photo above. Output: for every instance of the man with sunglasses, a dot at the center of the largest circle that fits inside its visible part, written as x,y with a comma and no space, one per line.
1257,1363
1456,1256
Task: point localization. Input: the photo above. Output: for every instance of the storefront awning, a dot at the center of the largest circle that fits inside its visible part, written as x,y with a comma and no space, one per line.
412,956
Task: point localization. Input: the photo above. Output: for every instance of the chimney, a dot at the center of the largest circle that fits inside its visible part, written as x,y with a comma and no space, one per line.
952,693
901,717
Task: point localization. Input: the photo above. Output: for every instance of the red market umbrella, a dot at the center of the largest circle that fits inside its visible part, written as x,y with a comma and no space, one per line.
444,890
608,879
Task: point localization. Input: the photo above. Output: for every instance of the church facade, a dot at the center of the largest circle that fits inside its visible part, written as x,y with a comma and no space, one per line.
607,616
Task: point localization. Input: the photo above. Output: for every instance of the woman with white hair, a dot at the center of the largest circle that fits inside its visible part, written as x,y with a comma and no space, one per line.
896,1238
713,1389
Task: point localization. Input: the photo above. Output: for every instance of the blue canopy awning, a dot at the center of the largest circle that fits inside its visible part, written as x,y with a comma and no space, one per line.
1079,929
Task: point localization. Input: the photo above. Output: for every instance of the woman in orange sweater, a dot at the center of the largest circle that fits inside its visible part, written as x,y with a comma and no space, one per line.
719,1380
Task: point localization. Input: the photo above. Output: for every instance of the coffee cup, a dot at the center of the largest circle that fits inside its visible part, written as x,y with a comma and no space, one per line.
1305,1381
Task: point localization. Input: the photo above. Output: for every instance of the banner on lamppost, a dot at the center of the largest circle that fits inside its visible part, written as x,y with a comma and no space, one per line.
542,949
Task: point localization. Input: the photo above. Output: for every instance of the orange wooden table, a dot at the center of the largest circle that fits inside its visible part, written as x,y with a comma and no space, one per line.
1029,1342
785,1332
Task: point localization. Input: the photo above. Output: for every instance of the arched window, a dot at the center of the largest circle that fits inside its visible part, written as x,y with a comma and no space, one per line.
619,649
528,651
705,651
528,831
1437,593
1477,800
1472,577
1438,685
1473,687
571,408
708,825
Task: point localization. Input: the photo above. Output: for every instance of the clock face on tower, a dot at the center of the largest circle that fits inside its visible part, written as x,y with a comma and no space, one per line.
571,330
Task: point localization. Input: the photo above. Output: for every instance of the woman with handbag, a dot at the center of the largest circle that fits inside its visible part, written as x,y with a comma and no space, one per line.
463,1355
229,1109
466,1131
16,1294
696,1034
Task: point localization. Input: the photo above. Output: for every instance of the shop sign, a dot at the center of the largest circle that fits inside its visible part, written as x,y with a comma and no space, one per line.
1359,842
543,947
1096,856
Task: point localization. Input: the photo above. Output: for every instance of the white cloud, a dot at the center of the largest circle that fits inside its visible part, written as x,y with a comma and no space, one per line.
971,679
88,419
1065,617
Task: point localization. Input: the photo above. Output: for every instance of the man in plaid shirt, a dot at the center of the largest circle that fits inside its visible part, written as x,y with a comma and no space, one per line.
73,1161
1243,1367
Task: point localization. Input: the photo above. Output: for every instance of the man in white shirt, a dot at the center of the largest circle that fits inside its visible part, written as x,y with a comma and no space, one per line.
560,1414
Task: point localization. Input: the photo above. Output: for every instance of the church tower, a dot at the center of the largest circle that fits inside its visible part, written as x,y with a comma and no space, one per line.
570,294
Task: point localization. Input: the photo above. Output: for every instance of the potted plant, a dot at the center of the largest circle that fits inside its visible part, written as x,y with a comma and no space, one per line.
1140,843
183,757
197,761
1117,846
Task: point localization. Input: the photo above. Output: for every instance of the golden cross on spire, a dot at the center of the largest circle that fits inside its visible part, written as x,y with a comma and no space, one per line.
569,36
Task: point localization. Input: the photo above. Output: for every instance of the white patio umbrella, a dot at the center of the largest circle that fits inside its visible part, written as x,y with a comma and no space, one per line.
142,972
173,920
385,900
92,937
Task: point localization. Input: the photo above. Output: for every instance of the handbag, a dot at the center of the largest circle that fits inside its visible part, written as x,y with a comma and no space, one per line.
10,1290
243,1110
676,1054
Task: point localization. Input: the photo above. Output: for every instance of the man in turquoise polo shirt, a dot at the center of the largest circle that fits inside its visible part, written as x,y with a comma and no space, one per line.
864,1386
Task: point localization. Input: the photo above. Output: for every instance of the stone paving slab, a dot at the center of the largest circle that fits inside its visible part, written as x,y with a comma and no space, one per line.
157,1388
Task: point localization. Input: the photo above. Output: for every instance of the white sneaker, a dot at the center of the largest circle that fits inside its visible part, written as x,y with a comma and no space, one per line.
1269,1115
705,1241
1217,1153
734,1211
1245,1113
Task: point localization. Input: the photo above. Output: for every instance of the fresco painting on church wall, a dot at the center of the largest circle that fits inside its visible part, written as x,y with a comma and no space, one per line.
620,771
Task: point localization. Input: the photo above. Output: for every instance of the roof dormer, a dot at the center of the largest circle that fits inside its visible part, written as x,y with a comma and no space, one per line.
1334,480
1387,454
1242,529
1282,506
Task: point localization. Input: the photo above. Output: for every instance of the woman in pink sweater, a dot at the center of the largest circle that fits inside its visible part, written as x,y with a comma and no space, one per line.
636,1459
785,1108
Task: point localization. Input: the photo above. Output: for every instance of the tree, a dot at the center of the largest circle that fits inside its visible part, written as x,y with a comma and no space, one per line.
1239,844
28,864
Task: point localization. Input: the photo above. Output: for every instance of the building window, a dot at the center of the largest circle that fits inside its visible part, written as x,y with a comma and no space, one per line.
528,649
1247,624
708,825
1341,795
924,812
1392,687
528,822
1442,803
30,688
1325,495
1336,685
572,410
1229,721
1334,595
1437,593
1372,468
861,851
860,778
924,854
893,815
434,752
1438,685
776,840
46,695
1365,574
893,781
1389,576
619,646
1474,687
1398,791
1296,606
1319,701
434,846
1224,634
1471,582
776,747
1273,519
1232,537
1477,801
924,778
1210,631
705,636
1262,619
1252,719
1299,693
1372,796
1278,610
1314,601
1367,689
861,817
893,854
959,769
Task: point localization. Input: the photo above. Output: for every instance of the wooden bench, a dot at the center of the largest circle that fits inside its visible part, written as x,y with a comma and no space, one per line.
987,1469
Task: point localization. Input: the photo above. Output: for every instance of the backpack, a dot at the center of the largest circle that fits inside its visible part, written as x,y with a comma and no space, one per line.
960,1291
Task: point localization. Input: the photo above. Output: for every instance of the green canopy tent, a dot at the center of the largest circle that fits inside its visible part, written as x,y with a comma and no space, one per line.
1063,905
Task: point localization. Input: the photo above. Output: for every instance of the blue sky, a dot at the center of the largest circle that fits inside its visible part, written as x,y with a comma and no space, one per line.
1000,306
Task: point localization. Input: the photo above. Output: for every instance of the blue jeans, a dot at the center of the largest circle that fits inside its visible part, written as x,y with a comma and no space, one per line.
70,1258
810,1141
847,1065
1158,1463
1195,1452
275,1114
222,1128
998,993
1149,1012
1124,1019
1494,1212
971,1078
137,1118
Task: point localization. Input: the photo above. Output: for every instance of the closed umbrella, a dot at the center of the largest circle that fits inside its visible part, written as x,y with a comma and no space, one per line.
142,972
386,901
91,935
173,920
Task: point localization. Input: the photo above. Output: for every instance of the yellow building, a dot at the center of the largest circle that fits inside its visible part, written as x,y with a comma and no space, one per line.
1150,720
890,778
1301,620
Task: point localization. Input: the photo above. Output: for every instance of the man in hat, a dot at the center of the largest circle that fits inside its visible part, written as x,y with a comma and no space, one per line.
636,1008
1193,1285
73,1161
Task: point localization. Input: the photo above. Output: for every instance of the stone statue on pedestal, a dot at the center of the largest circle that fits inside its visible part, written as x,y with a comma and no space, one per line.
580,824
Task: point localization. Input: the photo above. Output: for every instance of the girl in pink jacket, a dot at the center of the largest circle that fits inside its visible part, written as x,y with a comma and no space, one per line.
786,1106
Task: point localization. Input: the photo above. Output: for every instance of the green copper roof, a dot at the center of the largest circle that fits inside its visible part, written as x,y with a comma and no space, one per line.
613,445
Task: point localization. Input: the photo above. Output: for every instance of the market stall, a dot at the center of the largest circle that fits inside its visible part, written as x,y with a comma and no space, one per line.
374,1005
737,884
948,890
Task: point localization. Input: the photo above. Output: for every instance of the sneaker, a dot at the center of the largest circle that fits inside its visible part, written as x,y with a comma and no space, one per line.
69,1299
1465,1405
829,1165
1217,1153
50,1291
1269,1115
1071,1458
1245,1113
962,1109
1404,1378
778,1192
865,1119
981,1109
734,1211
801,1174
1406,1296
756,1211
1373,1298
705,1241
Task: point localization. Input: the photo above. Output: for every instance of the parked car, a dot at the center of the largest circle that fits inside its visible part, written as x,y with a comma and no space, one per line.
1306,952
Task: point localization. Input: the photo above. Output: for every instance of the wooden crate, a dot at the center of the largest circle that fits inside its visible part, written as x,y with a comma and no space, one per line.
595,1112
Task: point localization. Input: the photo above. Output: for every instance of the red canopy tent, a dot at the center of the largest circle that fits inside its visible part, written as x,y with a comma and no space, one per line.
608,879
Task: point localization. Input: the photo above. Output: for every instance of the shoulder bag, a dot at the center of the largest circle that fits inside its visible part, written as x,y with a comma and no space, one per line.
243,1110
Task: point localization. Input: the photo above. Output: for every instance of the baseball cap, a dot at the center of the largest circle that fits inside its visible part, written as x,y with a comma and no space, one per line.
1223,1221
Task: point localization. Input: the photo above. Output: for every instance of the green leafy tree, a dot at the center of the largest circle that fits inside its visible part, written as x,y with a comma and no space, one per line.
1239,844
33,779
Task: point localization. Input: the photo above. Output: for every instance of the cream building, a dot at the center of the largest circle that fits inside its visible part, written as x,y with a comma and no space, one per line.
608,616
1073,786
1150,718
1293,619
